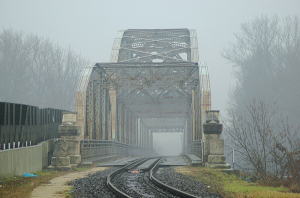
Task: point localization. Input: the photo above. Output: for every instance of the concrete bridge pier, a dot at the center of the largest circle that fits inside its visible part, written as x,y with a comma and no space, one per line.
67,147
213,144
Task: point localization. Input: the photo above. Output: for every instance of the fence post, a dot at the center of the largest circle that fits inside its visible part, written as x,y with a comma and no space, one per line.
233,158
56,154
202,148
232,155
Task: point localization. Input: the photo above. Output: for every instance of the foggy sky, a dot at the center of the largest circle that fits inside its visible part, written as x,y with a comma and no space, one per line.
89,27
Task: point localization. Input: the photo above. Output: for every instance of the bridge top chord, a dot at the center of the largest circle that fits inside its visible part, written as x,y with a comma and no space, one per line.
155,45
153,78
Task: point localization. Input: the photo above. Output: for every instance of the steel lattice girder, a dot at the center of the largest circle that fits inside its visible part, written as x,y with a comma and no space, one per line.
146,45
154,73
150,76
167,130
164,123
150,90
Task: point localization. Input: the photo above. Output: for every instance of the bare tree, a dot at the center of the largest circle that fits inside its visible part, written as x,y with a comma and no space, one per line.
266,61
251,134
266,143
286,155
35,71
13,65
251,55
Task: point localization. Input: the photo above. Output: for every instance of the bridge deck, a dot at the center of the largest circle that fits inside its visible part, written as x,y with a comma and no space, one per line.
194,159
174,161
118,162
147,164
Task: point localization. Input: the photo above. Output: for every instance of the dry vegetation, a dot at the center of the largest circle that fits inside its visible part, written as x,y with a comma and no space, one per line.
226,185
262,116
19,186
231,186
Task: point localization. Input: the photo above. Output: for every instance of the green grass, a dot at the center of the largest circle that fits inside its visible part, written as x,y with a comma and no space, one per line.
232,186
68,195
19,186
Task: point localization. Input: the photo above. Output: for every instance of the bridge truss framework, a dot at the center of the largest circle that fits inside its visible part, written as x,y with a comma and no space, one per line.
152,84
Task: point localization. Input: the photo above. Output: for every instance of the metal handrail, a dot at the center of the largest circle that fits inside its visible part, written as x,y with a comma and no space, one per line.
194,148
232,155
97,148
233,164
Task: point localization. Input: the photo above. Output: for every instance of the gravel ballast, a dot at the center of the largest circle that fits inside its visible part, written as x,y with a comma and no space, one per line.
94,185
183,183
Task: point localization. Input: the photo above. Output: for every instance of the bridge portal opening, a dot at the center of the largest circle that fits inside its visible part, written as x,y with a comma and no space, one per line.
168,143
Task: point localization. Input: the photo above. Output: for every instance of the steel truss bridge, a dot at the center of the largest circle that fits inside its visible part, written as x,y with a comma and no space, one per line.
153,83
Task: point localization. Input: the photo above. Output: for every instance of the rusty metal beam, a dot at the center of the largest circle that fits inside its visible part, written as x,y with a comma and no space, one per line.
113,97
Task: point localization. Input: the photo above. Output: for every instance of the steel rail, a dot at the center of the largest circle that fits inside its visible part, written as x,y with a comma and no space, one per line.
124,169
165,186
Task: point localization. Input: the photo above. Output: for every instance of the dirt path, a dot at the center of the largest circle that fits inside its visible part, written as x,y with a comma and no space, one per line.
58,187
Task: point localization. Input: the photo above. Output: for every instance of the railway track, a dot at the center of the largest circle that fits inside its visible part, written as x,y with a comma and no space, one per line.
130,182
113,175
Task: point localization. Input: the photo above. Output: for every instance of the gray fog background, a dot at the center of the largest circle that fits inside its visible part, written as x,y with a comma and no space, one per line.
90,26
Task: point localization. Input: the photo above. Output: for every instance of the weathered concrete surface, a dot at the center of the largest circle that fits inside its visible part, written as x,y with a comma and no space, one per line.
69,130
195,160
216,147
67,148
61,161
216,159
118,162
73,147
27,159
75,159
174,161
60,148
146,165
213,128
208,140
213,144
